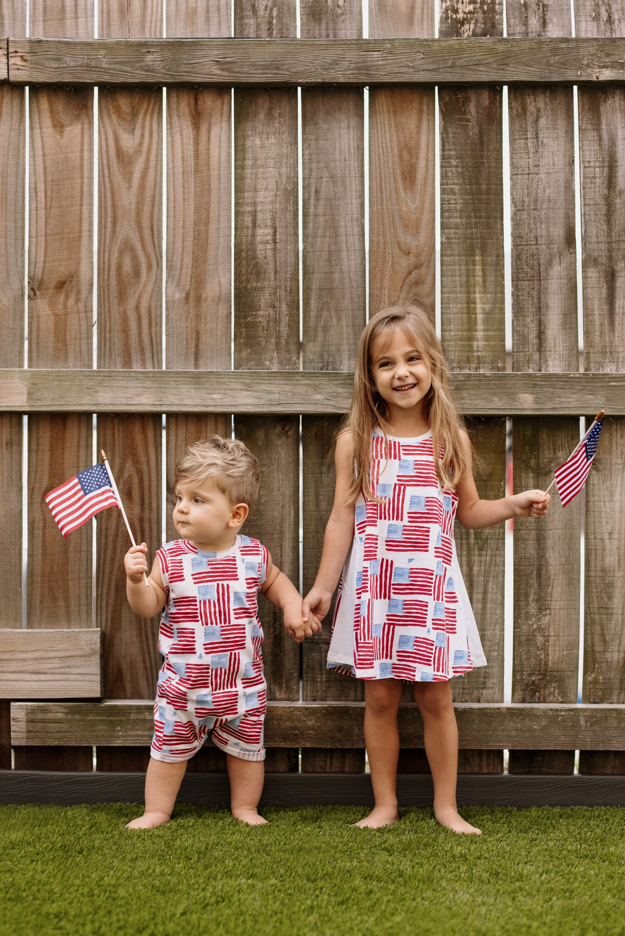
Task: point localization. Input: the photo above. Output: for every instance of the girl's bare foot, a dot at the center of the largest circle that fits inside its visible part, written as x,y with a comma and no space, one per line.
379,817
449,817
149,820
250,816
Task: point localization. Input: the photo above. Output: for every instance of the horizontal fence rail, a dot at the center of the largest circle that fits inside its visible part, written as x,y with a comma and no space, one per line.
292,62
289,392
320,724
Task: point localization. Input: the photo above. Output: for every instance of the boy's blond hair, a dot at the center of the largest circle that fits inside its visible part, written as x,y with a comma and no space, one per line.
226,463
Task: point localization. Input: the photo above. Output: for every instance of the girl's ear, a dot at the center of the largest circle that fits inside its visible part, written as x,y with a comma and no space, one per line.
238,515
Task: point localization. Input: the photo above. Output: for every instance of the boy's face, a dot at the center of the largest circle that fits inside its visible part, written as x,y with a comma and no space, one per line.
204,515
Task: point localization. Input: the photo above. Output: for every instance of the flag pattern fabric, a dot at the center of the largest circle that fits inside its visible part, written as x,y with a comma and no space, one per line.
402,610
211,637
571,476
81,498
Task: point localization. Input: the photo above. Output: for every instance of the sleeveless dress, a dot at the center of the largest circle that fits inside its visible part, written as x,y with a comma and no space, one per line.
402,608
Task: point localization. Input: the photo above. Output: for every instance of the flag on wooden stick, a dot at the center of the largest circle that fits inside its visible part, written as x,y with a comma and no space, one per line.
81,498
571,476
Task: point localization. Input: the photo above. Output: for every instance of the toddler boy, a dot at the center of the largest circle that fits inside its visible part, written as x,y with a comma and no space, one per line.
210,634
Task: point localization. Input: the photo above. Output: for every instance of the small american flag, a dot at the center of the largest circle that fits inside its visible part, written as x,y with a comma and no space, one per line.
571,476
81,498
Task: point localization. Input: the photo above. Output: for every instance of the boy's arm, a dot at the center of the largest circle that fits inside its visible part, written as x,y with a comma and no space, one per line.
280,591
146,602
475,513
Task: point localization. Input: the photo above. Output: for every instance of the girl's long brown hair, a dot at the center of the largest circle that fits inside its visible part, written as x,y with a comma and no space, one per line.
368,409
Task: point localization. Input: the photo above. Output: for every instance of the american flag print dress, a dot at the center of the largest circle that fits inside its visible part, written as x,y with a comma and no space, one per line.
211,637
402,609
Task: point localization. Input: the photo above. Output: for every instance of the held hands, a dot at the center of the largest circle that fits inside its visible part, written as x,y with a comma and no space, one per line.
297,626
135,563
531,504
317,603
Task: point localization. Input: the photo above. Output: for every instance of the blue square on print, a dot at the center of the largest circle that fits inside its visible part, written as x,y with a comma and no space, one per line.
439,611
219,660
376,630
363,607
438,538
245,540
405,642
212,632
396,606
374,567
255,631
460,657
198,564
417,502
401,575
204,697
386,669
179,667
447,503
426,676
441,639
165,618
161,678
439,568
206,555
359,579
384,490
239,599
395,531
450,584
169,725
162,715
208,721
248,672
251,569
406,466
251,701
361,513
206,592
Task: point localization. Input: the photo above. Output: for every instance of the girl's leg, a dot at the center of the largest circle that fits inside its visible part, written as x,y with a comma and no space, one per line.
162,783
246,786
382,698
441,746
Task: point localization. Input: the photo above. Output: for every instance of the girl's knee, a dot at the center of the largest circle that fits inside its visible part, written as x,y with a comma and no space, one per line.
434,698
382,696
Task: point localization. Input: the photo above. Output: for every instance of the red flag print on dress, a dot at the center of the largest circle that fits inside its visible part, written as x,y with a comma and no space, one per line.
571,476
81,498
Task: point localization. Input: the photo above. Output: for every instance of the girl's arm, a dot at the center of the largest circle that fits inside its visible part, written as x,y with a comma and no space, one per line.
280,591
475,513
146,602
338,536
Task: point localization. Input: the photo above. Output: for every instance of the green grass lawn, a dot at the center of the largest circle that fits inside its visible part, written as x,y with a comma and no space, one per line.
545,871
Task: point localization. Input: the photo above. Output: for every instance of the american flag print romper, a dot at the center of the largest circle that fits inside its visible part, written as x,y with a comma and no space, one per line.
211,637
402,608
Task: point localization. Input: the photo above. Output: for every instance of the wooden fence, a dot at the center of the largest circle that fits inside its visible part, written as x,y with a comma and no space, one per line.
248,318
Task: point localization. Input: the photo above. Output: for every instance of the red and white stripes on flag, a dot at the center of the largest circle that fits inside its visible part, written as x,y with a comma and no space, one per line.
571,476
81,498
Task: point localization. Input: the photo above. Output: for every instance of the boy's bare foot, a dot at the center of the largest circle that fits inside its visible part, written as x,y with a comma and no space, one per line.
379,817
149,820
450,818
250,816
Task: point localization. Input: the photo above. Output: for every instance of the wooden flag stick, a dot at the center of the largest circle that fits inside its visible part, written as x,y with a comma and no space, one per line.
121,507
586,434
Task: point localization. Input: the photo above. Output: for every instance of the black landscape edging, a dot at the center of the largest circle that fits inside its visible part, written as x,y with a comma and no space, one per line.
323,789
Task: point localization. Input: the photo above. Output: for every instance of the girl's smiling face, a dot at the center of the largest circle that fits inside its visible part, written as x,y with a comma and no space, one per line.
402,375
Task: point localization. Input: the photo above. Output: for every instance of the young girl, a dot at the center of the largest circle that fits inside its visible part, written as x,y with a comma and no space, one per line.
403,472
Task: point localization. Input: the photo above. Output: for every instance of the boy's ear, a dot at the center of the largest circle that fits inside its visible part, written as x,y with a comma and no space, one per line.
238,515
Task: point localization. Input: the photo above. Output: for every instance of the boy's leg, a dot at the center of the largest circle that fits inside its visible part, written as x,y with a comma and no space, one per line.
440,733
382,698
246,785
162,783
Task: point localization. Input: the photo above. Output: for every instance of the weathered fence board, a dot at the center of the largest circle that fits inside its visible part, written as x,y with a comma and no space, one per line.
308,725
85,391
316,61
49,664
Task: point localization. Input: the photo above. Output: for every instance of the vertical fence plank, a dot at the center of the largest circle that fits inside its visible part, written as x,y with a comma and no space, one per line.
602,142
129,336
266,319
473,327
544,335
60,282
12,215
334,315
401,175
